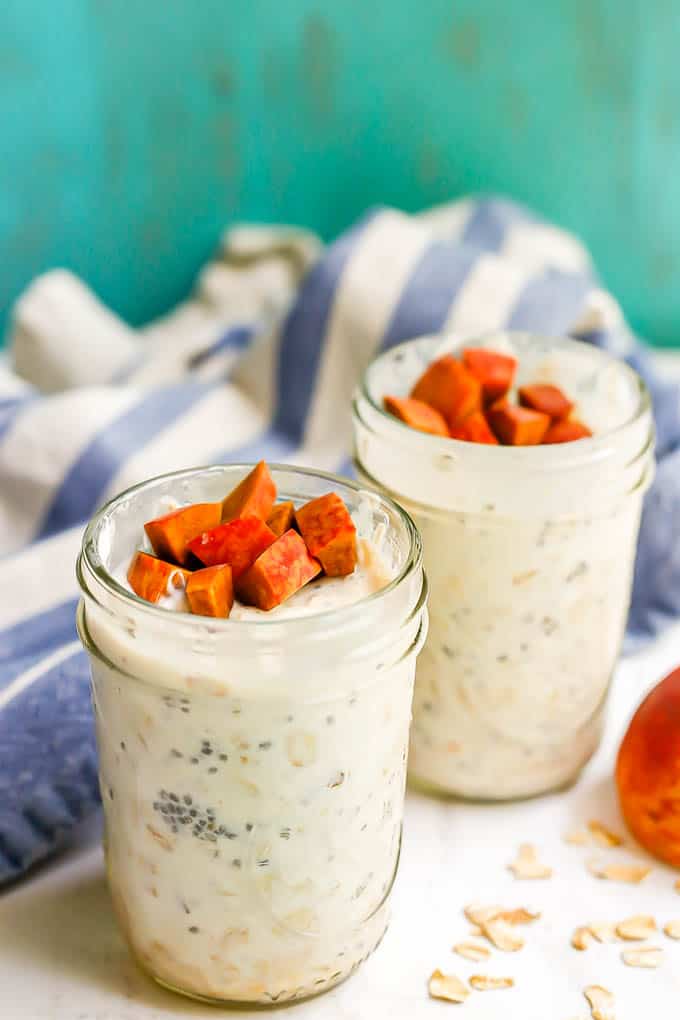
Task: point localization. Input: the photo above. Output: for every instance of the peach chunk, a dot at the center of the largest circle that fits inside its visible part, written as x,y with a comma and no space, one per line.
149,577
329,533
278,573
475,429
170,535
517,426
648,771
253,497
547,399
566,432
447,386
238,543
495,371
281,518
210,591
417,414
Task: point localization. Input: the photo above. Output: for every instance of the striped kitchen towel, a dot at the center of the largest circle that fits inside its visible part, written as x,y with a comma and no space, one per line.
260,362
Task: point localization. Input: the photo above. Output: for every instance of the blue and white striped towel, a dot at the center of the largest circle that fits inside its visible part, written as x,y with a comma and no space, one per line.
260,362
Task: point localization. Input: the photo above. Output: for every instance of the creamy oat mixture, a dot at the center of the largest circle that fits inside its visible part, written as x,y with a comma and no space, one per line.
253,831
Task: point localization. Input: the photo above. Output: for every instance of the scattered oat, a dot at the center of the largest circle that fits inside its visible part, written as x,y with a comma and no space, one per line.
601,1002
517,916
604,931
672,929
649,957
527,865
475,930
603,836
582,938
478,915
484,983
502,935
636,929
577,837
472,951
447,987
632,873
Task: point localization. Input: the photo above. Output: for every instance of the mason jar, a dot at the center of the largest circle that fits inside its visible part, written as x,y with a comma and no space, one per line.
252,771
529,553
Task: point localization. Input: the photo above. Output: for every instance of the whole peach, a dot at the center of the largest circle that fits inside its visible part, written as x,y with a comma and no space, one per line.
648,771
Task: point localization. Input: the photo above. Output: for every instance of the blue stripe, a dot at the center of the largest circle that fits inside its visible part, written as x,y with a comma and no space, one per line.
433,287
9,409
85,483
25,643
487,227
551,303
237,338
304,331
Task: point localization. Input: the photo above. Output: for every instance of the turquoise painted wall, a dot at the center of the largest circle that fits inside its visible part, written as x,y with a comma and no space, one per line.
132,132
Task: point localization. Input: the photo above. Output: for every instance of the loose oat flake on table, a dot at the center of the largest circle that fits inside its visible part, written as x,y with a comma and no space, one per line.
672,929
631,873
604,931
601,1002
484,983
478,915
472,951
582,938
649,957
527,864
603,836
636,929
447,987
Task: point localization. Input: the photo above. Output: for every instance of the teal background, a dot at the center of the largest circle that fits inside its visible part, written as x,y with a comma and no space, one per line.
133,132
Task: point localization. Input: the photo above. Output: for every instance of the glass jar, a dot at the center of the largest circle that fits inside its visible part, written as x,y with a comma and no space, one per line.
252,771
529,553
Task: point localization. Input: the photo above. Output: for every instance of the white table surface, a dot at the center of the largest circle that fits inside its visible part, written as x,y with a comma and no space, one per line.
61,957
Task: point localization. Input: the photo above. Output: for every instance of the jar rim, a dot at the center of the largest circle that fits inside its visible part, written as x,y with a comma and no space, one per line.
563,455
90,557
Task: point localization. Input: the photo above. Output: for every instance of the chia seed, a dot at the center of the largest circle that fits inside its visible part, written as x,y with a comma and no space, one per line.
264,745
175,753
193,929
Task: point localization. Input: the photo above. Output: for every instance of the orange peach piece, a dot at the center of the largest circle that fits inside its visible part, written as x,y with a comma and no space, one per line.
253,497
238,543
475,429
447,386
278,573
495,371
281,518
566,432
149,577
547,399
329,533
517,426
210,591
170,535
417,414
648,771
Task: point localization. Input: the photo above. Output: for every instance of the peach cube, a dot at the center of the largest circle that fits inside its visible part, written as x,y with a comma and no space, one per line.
278,573
417,414
149,577
475,429
546,398
495,371
170,535
566,432
253,497
238,543
281,518
447,386
329,533
517,426
210,591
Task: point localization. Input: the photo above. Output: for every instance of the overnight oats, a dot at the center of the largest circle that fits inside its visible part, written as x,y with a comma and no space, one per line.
252,673
523,461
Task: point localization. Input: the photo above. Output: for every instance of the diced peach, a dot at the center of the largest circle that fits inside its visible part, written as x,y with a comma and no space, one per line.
170,535
278,573
253,497
566,432
210,591
281,518
517,426
475,429
238,543
547,399
495,371
417,414
447,386
648,771
150,577
329,533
